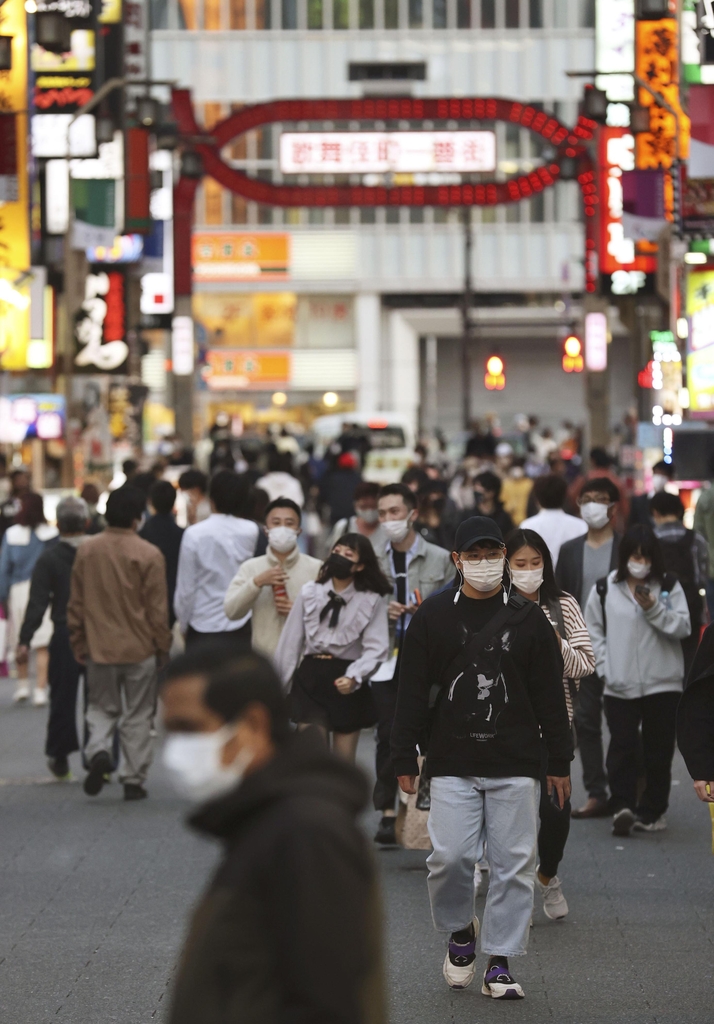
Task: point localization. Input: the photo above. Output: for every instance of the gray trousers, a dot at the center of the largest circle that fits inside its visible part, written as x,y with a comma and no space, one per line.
507,809
106,686
588,725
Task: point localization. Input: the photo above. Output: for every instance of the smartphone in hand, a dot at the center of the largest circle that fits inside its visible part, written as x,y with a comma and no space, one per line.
642,590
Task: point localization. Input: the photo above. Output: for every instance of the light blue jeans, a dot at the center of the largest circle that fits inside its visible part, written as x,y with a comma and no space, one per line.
507,810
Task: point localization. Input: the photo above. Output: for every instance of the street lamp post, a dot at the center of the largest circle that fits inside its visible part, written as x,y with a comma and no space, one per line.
467,331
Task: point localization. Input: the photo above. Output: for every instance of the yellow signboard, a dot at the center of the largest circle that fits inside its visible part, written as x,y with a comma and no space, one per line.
240,256
239,370
657,64
14,216
239,320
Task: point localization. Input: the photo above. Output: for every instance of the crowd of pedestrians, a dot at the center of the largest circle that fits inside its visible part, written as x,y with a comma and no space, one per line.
482,618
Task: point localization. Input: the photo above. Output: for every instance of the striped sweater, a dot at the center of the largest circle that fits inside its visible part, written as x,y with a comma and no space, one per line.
575,646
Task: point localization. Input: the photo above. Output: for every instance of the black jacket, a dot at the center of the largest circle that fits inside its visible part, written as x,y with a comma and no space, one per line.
569,570
695,716
487,718
49,584
288,930
164,533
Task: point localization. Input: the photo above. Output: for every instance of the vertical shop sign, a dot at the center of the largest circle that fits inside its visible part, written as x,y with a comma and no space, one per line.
101,324
15,211
657,63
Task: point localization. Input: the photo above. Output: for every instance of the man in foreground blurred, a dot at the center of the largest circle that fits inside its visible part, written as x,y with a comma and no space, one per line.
289,927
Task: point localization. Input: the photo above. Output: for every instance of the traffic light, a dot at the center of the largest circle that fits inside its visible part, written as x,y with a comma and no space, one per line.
495,376
573,354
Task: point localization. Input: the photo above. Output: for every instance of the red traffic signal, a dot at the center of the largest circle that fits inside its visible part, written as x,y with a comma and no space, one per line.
495,376
573,355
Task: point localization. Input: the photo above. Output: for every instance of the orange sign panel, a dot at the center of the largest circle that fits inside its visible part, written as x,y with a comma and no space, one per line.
240,256
241,370
657,63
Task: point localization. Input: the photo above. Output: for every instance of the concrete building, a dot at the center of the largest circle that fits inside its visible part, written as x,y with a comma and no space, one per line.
368,301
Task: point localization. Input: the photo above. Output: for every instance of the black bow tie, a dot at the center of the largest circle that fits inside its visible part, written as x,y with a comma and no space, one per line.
333,605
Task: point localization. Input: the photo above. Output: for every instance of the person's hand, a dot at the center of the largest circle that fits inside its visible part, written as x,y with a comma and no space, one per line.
162,659
283,605
645,601
561,784
270,577
345,685
81,659
701,787
22,653
396,610
407,784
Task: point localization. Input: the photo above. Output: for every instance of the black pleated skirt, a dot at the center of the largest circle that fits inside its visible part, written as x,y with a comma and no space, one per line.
315,699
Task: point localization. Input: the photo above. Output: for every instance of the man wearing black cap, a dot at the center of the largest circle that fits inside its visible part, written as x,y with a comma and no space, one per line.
481,676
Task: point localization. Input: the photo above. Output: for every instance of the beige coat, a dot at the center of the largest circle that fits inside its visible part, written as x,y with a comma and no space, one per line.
243,596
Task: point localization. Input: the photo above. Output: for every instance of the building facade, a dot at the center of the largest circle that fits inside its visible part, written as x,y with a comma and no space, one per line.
365,302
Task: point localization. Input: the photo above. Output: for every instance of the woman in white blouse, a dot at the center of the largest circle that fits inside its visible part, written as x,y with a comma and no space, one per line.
532,576
335,637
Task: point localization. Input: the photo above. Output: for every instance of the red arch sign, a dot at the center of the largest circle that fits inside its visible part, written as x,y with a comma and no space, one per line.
567,142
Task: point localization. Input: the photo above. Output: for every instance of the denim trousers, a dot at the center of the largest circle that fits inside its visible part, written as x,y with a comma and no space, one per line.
507,810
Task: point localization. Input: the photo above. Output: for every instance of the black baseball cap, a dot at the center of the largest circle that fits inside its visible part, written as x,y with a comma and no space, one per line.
476,529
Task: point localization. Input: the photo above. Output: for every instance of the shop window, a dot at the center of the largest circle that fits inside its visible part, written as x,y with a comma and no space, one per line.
342,215
159,14
212,202
416,215
440,214
212,114
366,13
258,320
513,18
314,14
237,14
513,141
239,209
265,214
416,14
340,14
367,215
324,321
463,13
438,14
488,13
392,215
212,15
316,216
535,13
538,208
262,14
265,144
560,13
293,215
488,215
391,13
187,14
289,13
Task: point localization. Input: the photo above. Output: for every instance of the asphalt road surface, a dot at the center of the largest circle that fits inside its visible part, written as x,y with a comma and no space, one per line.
95,895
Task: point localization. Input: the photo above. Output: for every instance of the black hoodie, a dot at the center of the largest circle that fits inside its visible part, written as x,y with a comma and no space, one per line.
695,716
288,931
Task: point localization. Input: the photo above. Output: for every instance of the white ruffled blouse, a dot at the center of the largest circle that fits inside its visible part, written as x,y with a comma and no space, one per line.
361,634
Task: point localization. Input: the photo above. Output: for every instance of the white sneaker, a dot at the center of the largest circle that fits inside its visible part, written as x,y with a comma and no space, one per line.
461,973
651,826
555,905
39,698
21,693
622,822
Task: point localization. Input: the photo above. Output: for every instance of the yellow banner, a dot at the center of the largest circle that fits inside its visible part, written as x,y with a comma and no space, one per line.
657,64
14,217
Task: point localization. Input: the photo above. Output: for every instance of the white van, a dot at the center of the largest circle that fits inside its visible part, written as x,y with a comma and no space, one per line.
390,434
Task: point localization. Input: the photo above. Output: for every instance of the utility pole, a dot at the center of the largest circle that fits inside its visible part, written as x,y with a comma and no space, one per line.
467,332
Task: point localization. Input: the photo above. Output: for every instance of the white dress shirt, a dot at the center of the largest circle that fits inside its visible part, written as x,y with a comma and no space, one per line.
555,527
211,554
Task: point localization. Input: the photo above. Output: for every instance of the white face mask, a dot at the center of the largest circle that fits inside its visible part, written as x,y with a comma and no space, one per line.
397,529
527,580
640,570
658,482
595,514
282,539
368,515
194,761
483,576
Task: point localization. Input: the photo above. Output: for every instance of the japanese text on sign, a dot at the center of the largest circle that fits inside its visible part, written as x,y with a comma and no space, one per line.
381,152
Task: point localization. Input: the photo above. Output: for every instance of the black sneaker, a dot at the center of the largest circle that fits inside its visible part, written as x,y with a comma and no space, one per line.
133,791
99,767
59,766
622,822
386,833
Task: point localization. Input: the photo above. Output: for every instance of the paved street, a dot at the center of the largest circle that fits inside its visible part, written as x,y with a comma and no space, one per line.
95,895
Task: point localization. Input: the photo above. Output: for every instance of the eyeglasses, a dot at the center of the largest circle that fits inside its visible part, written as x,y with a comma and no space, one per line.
473,557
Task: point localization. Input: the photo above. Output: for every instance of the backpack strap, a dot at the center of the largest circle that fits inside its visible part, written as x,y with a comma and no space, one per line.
668,581
515,610
601,588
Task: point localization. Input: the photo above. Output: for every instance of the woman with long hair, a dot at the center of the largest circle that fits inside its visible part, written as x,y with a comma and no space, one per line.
532,576
22,545
637,616
335,637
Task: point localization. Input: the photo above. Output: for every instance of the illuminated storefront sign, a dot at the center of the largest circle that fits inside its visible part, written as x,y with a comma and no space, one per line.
700,344
381,152
237,256
101,326
15,213
23,417
596,342
697,51
62,92
615,48
619,258
237,369
657,63
256,320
